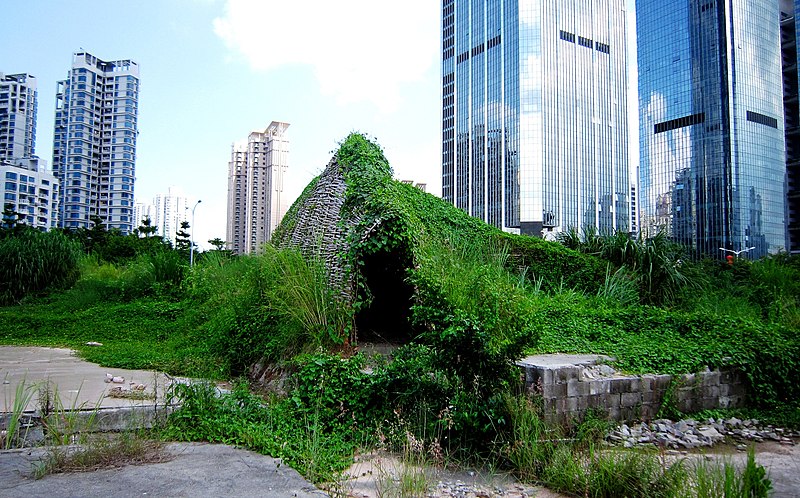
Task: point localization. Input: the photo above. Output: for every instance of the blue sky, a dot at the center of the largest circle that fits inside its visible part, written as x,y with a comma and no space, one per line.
214,70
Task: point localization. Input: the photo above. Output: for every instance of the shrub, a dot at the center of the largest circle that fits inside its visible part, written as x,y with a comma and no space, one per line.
32,262
658,266
275,305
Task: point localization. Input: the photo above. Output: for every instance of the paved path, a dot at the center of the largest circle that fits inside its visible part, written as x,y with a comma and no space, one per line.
79,384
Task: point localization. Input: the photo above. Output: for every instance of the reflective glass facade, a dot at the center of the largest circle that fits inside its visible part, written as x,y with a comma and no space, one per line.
712,168
790,32
534,119
94,142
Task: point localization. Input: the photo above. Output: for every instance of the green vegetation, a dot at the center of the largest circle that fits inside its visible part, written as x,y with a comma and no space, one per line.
32,262
462,298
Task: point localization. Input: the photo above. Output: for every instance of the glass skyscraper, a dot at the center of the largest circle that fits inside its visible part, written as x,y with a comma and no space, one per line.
712,166
94,144
534,118
790,33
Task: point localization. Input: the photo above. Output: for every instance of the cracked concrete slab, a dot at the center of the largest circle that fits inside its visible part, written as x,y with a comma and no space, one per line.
195,469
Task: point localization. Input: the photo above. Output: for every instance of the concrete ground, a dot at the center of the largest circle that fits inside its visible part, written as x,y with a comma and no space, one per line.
78,384
193,470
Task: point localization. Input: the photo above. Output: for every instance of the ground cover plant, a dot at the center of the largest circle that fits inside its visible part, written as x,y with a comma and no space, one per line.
461,298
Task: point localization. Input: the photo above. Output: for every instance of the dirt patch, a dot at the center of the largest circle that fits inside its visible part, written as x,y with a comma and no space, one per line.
380,474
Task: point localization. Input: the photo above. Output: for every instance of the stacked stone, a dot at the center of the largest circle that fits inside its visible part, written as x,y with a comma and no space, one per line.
688,434
569,390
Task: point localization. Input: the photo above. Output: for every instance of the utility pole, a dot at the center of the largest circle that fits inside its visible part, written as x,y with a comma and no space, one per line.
191,239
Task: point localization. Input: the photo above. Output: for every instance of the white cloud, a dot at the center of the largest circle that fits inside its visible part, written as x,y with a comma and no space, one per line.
360,50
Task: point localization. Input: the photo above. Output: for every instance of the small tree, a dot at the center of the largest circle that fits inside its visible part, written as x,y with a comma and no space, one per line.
183,240
13,222
219,244
146,229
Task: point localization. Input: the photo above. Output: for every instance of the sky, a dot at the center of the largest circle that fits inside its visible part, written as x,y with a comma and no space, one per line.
212,71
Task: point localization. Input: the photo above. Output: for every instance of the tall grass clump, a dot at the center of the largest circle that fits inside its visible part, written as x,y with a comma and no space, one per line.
659,266
304,302
157,273
32,262
23,394
276,305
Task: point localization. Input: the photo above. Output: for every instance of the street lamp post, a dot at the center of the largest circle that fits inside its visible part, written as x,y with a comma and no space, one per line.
191,240
730,257
737,253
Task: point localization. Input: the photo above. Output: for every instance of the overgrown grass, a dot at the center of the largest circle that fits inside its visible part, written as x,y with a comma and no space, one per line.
647,339
103,451
281,428
147,333
580,466
13,433
32,262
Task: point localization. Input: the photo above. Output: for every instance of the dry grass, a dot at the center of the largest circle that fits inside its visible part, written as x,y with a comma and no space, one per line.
103,452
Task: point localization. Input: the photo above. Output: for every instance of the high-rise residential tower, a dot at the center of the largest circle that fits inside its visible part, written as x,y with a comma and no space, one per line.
94,147
534,113
17,116
166,213
256,203
712,165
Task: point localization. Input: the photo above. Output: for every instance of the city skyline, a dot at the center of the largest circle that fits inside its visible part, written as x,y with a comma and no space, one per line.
206,76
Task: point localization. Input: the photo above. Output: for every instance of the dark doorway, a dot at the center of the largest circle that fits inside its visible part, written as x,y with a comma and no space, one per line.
386,319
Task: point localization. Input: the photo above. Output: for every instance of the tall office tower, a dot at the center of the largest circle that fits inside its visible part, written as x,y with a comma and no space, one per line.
94,147
256,203
712,172
17,116
534,120
790,33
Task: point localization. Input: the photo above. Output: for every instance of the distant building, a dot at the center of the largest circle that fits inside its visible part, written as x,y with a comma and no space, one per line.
17,116
166,213
534,118
30,190
711,108
142,211
421,186
256,203
790,33
94,145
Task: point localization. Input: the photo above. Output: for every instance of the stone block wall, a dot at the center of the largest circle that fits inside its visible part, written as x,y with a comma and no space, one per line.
569,390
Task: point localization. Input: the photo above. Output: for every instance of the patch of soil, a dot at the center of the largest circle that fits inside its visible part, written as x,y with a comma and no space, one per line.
379,474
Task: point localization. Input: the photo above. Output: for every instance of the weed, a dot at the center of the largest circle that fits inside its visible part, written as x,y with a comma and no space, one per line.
406,477
64,425
12,436
102,452
713,479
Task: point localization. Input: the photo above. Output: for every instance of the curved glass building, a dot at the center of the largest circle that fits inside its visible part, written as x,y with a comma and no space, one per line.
534,118
712,165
